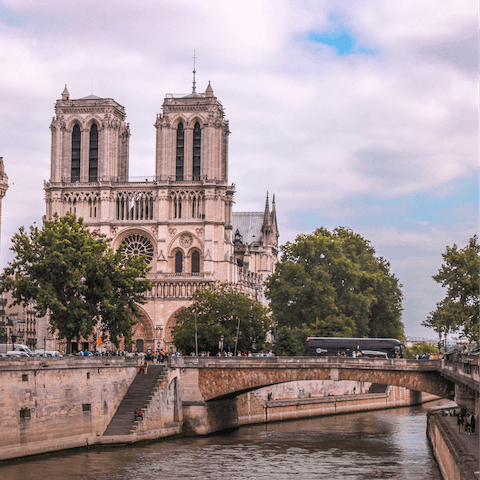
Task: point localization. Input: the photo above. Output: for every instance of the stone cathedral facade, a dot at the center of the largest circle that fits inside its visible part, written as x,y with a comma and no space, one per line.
182,219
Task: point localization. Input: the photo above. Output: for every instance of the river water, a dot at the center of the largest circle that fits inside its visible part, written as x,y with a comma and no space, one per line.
362,446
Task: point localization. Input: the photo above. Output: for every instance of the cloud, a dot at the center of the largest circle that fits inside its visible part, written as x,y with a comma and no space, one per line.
378,142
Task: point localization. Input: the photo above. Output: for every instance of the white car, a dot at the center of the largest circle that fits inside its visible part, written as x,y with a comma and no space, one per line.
17,353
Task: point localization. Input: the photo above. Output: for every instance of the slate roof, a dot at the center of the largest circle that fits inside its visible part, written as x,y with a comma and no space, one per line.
91,97
249,224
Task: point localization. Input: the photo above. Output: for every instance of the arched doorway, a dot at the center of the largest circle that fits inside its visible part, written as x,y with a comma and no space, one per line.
143,337
168,334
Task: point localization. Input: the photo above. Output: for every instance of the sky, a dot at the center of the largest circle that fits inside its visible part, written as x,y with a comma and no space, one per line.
360,114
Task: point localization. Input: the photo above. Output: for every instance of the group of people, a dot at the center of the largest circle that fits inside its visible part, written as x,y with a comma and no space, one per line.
466,423
428,356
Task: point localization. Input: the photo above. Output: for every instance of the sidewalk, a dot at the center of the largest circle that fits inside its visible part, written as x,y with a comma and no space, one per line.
468,443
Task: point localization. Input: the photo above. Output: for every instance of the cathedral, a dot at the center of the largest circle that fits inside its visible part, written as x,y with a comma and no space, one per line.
182,219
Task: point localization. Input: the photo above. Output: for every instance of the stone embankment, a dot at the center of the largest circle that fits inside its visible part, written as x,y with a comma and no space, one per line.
305,399
55,404
457,454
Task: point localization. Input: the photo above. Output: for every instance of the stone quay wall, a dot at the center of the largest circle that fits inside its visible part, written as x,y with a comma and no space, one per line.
454,463
59,403
279,402
53,404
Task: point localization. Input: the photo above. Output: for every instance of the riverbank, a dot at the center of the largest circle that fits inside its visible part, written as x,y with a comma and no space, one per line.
457,454
262,406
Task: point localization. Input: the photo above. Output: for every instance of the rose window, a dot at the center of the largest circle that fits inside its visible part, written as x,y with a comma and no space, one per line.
136,244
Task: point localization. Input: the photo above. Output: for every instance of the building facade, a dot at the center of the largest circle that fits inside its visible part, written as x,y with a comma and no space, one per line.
182,219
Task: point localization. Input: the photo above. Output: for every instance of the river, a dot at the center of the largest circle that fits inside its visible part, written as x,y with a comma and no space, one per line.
362,446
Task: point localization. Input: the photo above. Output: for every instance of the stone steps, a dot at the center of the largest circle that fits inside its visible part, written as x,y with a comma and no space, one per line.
138,396
377,388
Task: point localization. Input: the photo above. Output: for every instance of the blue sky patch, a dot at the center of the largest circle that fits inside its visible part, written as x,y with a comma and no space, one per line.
7,17
341,38
455,202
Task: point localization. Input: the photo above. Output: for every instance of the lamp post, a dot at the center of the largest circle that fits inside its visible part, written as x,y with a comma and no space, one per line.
236,338
196,337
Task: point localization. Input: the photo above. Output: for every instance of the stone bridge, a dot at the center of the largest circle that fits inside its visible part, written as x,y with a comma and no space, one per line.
209,385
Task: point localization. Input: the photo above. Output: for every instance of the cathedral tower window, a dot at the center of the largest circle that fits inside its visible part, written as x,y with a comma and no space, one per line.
178,262
180,152
76,141
93,157
195,262
197,140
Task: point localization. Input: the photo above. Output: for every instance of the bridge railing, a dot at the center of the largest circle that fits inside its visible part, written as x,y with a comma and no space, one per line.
302,362
462,368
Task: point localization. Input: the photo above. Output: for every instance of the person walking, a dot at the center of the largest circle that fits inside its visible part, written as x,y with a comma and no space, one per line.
460,420
472,423
466,423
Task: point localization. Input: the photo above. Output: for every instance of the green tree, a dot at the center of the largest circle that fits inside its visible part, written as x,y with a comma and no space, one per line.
420,349
217,311
291,342
73,275
332,284
459,310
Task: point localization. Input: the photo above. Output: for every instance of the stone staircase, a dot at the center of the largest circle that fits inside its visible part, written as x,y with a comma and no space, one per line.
138,396
377,388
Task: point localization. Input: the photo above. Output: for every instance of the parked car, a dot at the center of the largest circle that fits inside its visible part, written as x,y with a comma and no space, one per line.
17,353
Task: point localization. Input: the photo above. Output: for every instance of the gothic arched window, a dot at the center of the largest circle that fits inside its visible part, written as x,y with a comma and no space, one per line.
93,157
197,140
178,262
76,141
195,262
180,152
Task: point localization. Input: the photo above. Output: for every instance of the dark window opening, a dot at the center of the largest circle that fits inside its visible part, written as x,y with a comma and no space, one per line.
180,152
195,262
87,407
93,158
76,141
197,140
24,378
178,262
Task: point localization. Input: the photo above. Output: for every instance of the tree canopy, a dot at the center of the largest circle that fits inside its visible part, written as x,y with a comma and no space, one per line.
420,349
73,275
218,310
332,284
459,310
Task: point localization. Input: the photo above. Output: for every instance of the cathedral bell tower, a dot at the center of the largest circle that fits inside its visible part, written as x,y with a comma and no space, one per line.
89,140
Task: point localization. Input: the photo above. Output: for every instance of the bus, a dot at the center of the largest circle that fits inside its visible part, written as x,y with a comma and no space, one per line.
368,347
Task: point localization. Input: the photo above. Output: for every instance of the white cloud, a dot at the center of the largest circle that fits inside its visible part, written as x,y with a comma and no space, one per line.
317,129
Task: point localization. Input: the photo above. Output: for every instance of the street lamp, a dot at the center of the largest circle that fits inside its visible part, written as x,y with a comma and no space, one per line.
236,338
196,337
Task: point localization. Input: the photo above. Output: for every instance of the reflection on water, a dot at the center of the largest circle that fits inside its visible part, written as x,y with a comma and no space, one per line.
364,446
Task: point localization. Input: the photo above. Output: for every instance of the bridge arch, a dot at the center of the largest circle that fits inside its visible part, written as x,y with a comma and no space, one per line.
227,379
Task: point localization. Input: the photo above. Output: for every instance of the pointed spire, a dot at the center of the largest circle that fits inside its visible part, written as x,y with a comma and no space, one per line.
267,206
209,90
274,216
194,72
267,220
65,93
